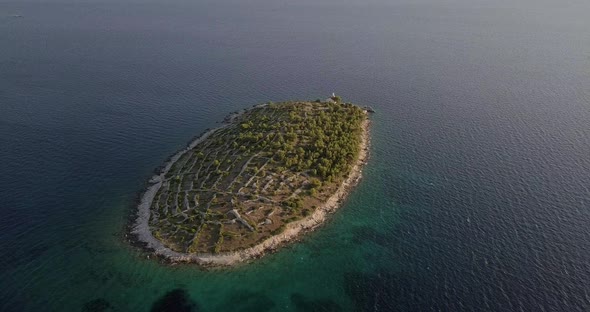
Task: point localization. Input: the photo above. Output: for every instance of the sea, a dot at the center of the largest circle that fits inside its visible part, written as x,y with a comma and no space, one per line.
476,196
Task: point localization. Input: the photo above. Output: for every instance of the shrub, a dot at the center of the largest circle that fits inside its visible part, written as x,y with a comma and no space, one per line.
279,230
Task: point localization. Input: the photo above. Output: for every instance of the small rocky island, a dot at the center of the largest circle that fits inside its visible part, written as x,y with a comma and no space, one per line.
266,176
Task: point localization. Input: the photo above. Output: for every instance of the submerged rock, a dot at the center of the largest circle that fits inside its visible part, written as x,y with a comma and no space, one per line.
176,300
97,305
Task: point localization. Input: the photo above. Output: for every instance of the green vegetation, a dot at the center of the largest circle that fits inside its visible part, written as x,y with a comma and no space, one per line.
273,165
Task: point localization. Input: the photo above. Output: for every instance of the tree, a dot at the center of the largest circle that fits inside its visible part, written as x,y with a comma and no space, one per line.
315,183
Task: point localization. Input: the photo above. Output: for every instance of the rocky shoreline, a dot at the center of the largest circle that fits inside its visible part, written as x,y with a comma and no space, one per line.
141,235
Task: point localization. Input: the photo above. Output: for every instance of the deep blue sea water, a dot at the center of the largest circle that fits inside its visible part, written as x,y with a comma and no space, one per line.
476,196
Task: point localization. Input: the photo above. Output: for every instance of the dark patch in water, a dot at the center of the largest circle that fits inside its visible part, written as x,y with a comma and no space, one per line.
17,256
366,233
176,300
14,304
245,300
319,305
376,292
97,305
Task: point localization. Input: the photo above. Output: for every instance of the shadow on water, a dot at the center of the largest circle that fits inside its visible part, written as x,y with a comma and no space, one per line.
245,300
177,300
314,305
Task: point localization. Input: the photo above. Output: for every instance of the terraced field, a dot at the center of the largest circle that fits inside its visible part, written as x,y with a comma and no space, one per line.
271,165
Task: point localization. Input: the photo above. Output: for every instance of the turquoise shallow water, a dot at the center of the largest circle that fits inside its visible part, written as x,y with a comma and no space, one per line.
475,196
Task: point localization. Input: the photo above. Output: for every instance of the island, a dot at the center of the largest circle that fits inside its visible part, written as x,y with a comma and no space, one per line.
267,175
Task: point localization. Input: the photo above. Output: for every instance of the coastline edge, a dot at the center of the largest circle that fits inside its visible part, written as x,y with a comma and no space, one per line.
142,236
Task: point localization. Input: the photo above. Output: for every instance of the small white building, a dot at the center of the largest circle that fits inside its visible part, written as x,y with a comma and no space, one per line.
330,99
